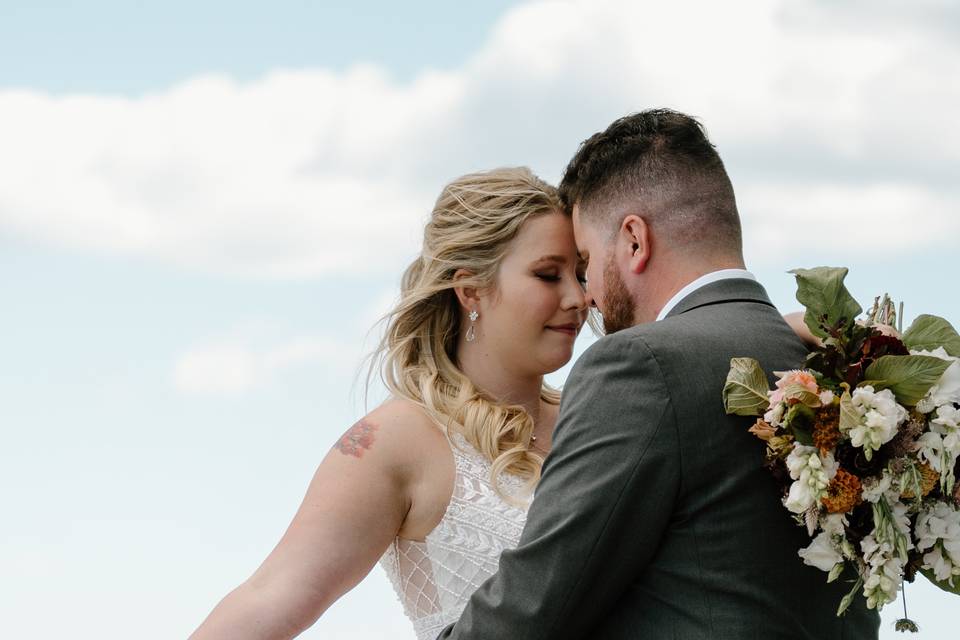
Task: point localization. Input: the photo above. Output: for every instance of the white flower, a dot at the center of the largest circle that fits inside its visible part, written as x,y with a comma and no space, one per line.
901,523
884,571
834,524
774,416
942,565
938,529
885,557
822,553
872,549
947,390
882,583
811,473
800,498
826,397
948,416
940,447
947,424
880,415
875,488
931,450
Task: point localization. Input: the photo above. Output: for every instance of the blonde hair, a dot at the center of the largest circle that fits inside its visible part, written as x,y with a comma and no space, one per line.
471,227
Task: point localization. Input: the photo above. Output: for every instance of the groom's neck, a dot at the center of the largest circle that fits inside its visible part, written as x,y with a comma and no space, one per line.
668,279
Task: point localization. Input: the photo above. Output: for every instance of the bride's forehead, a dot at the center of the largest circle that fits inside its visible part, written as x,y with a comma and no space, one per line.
541,250
554,230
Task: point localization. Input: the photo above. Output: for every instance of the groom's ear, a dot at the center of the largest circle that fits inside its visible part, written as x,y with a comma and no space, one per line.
636,232
469,297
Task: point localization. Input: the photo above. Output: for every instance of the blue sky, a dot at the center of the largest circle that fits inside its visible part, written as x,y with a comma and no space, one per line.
137,47
206,206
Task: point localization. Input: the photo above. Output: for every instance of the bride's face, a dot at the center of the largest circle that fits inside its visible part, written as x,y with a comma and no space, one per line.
533,318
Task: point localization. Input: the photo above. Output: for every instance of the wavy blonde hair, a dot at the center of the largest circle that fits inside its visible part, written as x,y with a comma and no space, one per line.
471,228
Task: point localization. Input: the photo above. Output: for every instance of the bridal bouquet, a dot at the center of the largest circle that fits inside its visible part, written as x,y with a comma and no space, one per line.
865,440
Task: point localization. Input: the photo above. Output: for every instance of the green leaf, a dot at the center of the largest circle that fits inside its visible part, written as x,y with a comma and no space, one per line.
803,436
827,301
745,392
908,377
849,416
835,572
930,332
798,392
799,420
945,585
848,599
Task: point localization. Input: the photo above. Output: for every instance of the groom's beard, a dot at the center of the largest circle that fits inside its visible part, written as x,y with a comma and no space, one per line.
618,311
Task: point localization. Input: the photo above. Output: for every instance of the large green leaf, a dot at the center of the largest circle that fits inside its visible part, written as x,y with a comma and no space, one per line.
929,332
745,392
908,377
827,301
946,586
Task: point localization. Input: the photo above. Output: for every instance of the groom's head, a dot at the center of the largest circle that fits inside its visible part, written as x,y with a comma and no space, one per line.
653,209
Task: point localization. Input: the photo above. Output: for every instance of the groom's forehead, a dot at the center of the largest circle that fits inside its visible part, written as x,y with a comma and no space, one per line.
580,234
577,225
582,229
576,216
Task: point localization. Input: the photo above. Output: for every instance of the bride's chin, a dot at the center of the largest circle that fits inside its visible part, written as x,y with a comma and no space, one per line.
557,361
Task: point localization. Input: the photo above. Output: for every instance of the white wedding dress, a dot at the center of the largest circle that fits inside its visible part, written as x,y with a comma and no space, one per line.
435,578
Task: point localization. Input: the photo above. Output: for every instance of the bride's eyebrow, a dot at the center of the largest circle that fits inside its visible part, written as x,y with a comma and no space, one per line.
551,258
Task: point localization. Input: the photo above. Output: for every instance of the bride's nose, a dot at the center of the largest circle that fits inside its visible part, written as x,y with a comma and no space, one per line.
574,298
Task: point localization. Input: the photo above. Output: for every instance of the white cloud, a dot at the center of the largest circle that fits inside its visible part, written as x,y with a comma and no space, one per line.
216,369
834,219
817,114
233,365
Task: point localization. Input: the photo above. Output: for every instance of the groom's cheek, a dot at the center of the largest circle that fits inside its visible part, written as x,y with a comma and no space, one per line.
595,289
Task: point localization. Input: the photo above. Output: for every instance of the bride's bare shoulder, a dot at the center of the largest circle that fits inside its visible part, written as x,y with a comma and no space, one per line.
407,433
406,417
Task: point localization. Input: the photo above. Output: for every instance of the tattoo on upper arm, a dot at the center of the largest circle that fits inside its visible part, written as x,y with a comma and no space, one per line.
357,439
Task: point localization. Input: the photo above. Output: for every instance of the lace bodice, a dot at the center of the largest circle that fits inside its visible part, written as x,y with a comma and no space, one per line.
435,578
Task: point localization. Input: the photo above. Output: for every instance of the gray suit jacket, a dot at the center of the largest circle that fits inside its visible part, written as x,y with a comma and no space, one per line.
654,517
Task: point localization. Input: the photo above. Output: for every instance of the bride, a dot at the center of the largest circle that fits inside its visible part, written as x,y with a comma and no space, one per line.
434,483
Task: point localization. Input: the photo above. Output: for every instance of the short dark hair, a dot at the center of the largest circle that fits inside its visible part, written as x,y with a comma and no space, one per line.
662,163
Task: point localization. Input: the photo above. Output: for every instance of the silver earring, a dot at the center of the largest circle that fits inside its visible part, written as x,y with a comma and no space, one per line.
471,332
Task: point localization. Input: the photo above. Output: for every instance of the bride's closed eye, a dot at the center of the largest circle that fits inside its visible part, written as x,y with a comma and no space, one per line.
549,276
555,277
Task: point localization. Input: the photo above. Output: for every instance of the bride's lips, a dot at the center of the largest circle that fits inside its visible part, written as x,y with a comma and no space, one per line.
569,329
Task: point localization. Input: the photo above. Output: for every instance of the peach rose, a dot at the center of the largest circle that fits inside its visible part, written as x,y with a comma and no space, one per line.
793,386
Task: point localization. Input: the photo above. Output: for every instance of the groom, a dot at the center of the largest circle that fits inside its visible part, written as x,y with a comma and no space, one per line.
654,517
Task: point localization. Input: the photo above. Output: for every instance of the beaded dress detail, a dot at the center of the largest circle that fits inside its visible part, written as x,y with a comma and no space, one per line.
435,578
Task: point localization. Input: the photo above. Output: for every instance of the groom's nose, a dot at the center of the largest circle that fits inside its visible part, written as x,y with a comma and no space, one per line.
588,298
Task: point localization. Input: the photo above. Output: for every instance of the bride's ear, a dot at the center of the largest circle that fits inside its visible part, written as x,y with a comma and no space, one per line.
468,296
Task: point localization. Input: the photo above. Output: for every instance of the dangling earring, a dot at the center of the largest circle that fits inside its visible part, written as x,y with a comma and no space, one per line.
471,331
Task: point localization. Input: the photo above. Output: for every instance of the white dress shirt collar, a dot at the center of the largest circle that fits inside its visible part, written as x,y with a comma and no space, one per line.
702,281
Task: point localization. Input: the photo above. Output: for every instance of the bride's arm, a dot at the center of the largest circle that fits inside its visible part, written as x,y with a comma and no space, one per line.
352,510
795,320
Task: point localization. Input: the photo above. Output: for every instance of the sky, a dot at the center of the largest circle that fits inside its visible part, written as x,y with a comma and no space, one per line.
204,208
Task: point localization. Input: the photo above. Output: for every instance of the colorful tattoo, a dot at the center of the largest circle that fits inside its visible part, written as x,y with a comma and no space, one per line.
358,438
